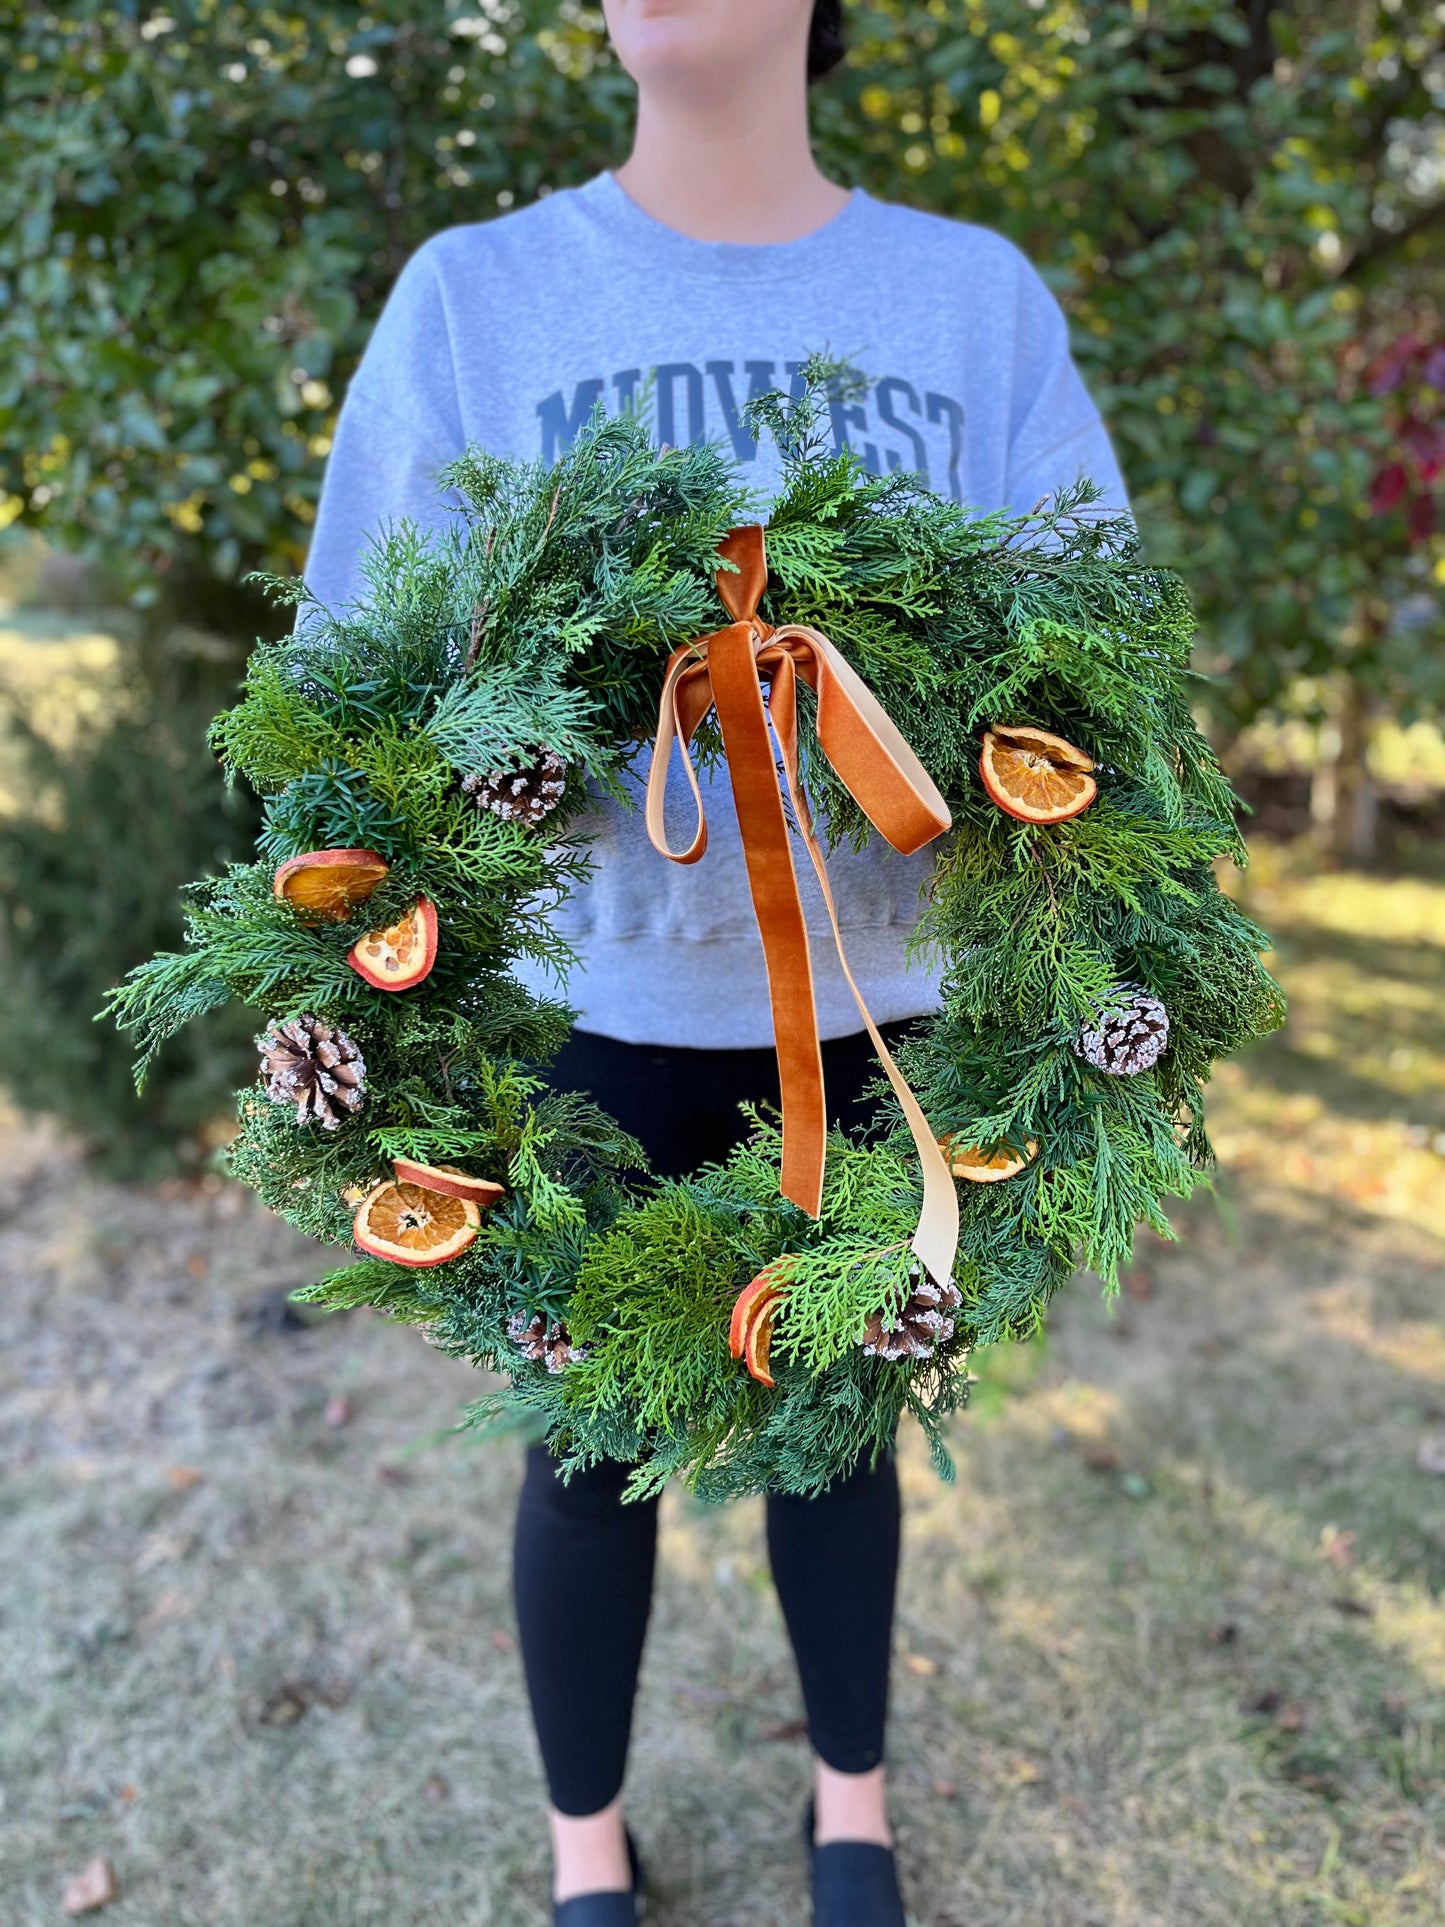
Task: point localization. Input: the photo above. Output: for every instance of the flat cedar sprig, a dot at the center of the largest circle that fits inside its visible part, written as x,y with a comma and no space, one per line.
544,615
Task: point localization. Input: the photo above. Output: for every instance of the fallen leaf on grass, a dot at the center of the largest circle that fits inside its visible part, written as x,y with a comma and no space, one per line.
89,1890
785,1730
920,1664
1338,1548
1101,1458
297,1696
285,1707
395,1475
338,1412
1290,1716
183,1477
1319,1776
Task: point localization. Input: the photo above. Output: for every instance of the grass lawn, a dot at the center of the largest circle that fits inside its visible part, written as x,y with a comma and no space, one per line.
1171,1652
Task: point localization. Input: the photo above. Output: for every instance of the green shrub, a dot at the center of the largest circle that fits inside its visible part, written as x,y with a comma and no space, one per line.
91,865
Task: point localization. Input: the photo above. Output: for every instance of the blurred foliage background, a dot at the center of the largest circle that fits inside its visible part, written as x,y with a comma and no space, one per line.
203,205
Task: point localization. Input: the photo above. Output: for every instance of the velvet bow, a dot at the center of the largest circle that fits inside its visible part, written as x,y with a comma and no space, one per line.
728,671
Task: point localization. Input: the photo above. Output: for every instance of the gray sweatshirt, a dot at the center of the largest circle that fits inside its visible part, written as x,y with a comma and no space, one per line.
507,332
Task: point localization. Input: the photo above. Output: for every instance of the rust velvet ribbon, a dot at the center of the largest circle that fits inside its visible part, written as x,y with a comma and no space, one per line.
728,671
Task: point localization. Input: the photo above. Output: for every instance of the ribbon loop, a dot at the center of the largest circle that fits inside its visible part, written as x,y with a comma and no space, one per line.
728,671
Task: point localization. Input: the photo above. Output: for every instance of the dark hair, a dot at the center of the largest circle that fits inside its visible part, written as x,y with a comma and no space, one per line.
825,38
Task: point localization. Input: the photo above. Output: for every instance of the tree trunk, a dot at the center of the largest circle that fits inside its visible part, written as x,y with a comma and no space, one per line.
1354,831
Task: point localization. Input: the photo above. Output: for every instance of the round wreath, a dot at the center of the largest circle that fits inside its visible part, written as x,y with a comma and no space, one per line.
423,754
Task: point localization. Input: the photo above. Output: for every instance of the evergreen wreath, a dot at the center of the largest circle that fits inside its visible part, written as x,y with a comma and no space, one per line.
422,755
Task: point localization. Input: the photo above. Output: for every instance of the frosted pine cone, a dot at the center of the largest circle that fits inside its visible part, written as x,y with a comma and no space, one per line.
543,1343
520,795
1129,1034
923,1324
314,1066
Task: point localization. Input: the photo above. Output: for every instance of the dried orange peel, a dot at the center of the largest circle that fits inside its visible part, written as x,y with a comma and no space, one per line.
750,1330
412,1226
326,885
1034,775
969,1162
400,955
447,1179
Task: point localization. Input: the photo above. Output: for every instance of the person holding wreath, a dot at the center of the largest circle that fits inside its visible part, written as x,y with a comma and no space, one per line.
698,275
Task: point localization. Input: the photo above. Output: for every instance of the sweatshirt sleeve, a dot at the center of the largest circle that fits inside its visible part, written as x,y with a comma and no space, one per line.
1056,434
399,426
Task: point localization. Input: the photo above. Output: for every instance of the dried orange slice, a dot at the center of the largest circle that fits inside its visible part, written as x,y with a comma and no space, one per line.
327,884
1035,775
968,1161
448,1179
401,955
412,1226
750,1331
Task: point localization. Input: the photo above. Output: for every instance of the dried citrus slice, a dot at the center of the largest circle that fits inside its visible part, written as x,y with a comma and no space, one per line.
412,1226
758,1342
327,884
448,1179
750,1331
968,1161
1035,775
401,955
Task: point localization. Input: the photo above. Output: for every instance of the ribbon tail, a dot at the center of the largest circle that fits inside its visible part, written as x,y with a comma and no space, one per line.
935,1242
767,848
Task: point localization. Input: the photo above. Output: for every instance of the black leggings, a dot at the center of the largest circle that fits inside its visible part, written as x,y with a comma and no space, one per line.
584,1561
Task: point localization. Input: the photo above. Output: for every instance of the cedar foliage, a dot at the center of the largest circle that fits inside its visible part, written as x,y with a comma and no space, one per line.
546,615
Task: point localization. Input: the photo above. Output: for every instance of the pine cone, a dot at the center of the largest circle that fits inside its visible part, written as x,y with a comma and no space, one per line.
1129,1034
313,1066
520,795
923,1324
543,1343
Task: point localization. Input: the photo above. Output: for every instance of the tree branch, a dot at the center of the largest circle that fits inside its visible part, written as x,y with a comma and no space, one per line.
1387,240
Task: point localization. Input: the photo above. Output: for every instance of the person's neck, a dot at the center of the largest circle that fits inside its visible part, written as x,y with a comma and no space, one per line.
743,172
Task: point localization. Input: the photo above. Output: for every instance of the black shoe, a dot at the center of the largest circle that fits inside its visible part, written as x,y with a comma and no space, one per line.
855,1883
606,1910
